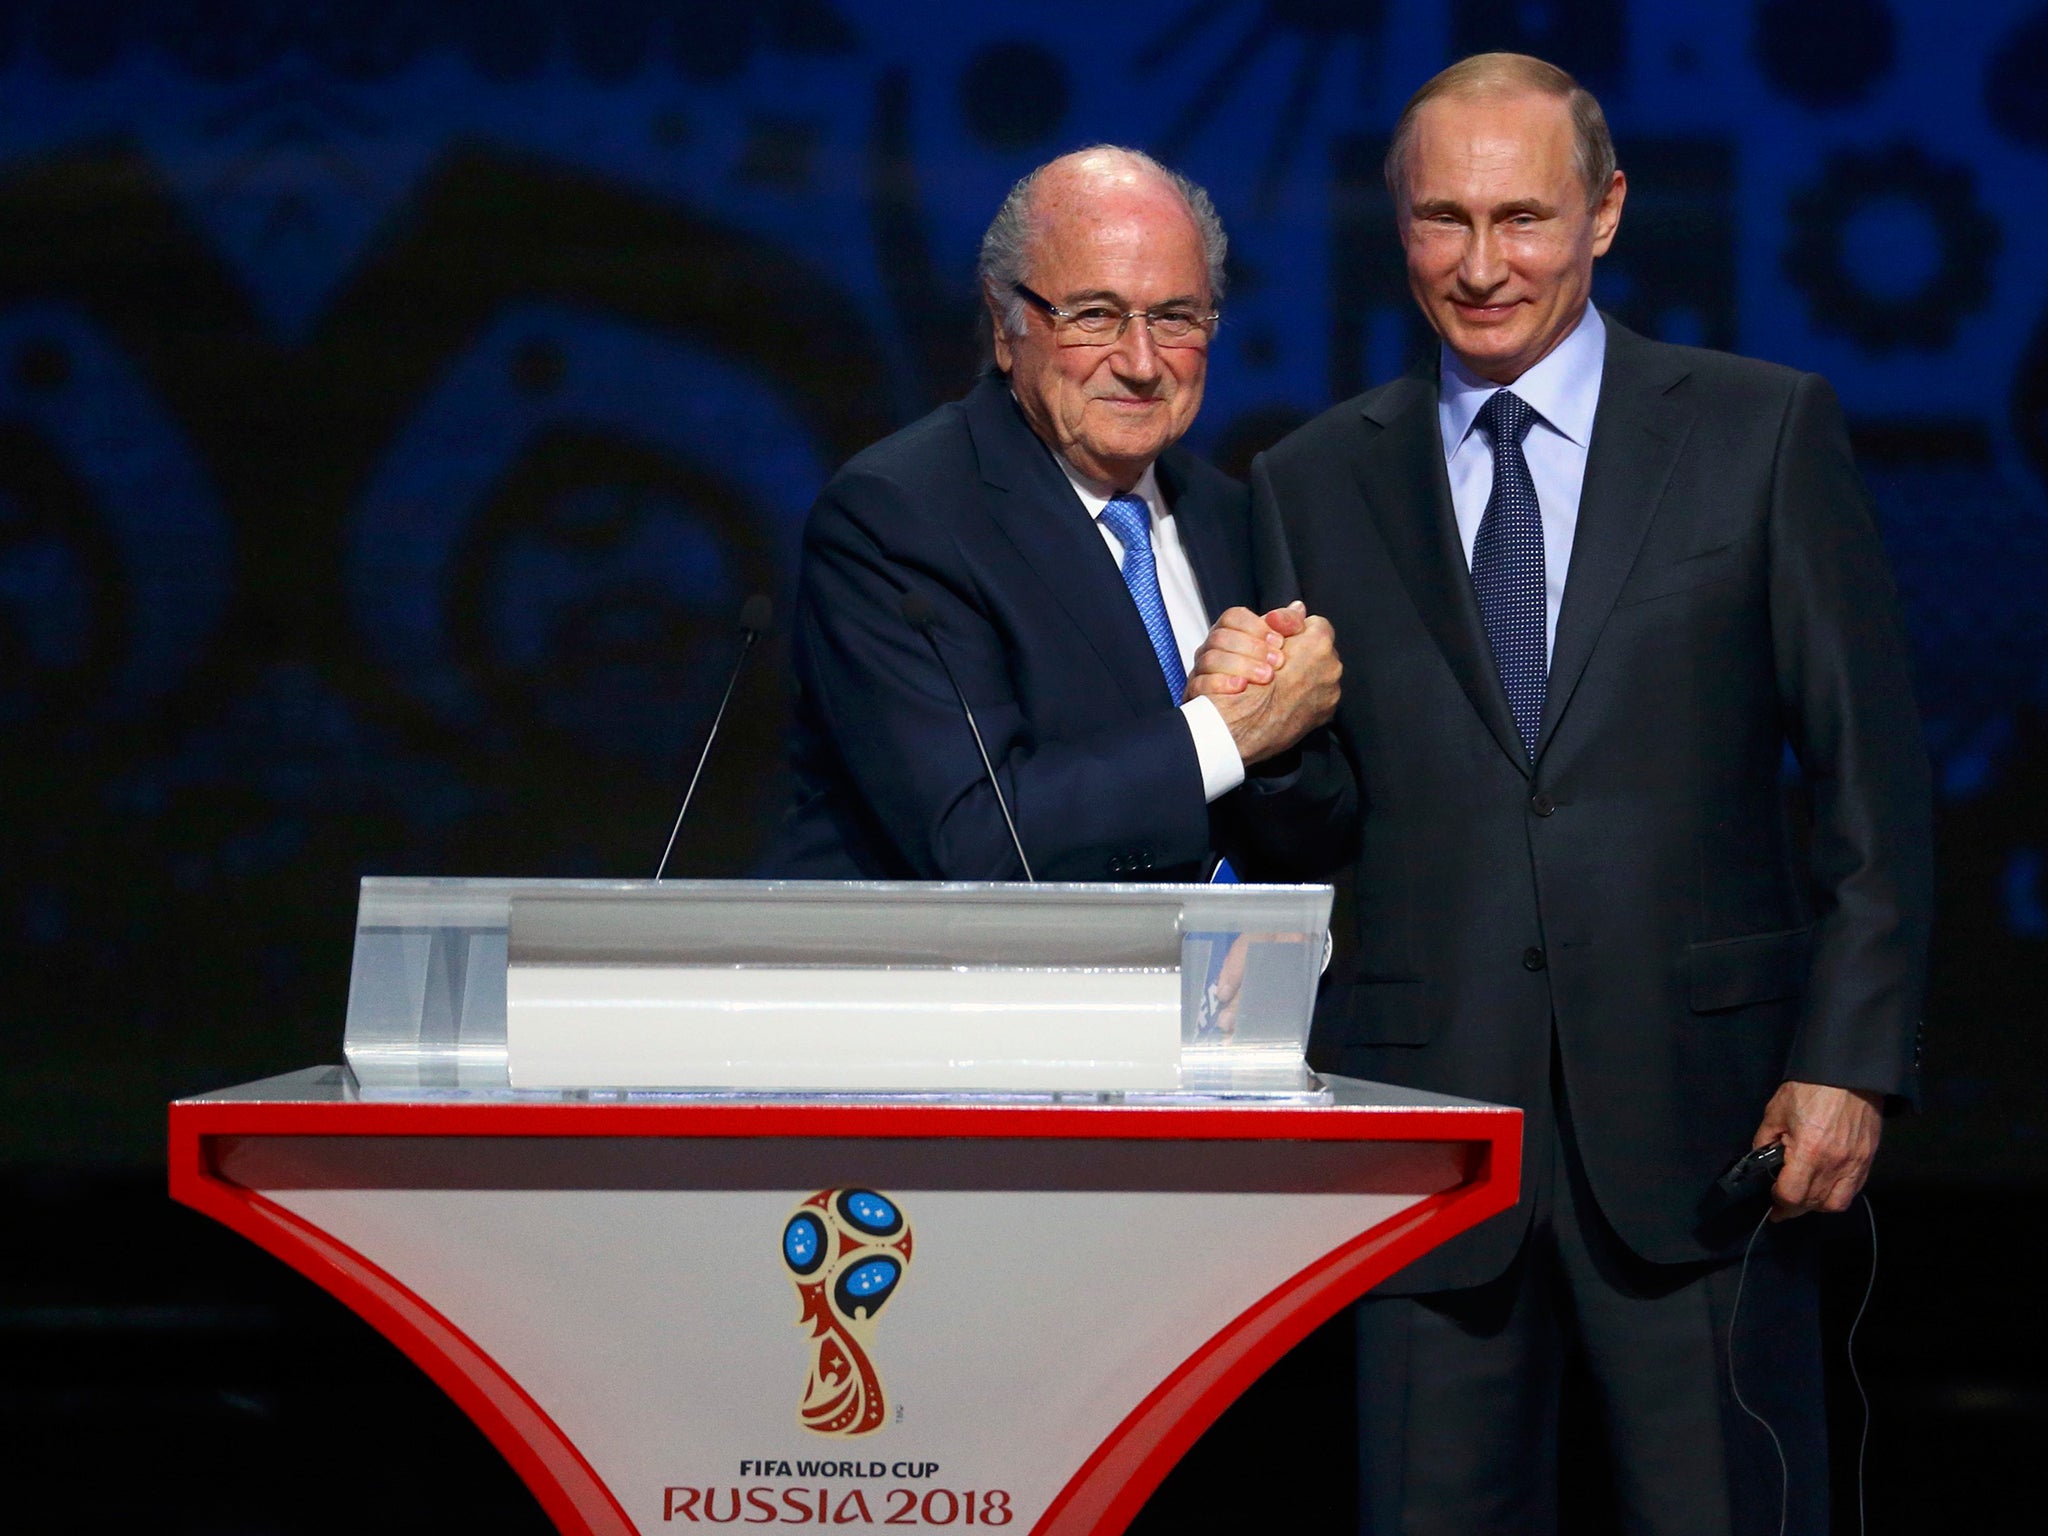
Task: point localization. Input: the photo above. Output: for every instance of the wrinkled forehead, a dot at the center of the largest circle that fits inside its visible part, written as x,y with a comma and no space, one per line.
1109,236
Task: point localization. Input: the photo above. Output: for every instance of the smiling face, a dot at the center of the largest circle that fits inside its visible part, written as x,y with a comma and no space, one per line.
1114,234
1499,240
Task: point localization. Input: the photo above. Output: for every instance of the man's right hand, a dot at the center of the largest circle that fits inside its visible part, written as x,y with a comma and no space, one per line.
1273,677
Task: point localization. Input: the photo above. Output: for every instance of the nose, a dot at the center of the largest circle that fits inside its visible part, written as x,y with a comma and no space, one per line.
1480,267
1136,355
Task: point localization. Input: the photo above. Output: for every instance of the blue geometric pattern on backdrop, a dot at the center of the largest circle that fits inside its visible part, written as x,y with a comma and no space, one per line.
416,521
293,141
397,399
106,509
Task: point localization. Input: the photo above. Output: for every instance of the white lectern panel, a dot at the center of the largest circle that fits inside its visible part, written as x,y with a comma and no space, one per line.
841,1028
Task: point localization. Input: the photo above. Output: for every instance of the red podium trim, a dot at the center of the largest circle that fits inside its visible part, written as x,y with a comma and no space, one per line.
566,1485
1100,1499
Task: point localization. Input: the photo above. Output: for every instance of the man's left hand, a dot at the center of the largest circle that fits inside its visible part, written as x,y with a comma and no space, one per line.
1830,1137
1243,649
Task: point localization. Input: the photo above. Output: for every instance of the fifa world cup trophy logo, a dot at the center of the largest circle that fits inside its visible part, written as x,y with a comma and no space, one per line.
846,1250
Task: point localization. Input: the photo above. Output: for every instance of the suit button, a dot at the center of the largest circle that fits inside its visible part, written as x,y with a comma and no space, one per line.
1541,803
1533,959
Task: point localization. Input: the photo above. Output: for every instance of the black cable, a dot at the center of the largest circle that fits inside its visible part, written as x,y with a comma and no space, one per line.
1734,1316
1856,1376
1870,1285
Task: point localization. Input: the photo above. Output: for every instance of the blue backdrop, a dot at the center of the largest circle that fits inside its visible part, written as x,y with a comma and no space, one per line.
397,399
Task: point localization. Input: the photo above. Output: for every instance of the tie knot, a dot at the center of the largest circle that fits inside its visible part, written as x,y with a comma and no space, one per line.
1130,520
1506,416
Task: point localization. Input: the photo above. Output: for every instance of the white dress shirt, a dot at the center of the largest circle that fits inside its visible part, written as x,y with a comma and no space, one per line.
1215,748
1563,390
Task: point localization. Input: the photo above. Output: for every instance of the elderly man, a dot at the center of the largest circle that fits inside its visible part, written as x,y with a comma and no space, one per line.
1061,557
1591,587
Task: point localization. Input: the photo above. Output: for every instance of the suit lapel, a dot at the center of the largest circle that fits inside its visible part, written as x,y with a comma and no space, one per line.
1406,488
1033,503
1195,516
1639,427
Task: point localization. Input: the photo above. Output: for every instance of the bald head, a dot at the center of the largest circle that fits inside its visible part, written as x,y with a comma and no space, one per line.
1091,188
1073,184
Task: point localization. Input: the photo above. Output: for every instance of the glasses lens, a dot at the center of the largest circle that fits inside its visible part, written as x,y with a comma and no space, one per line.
1178,328
1097,325
1092,326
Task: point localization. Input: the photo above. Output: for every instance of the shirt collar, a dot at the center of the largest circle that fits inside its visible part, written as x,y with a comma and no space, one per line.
1095,495
1563,389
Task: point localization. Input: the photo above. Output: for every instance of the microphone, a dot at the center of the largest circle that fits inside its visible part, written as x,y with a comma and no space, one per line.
757,614
919,614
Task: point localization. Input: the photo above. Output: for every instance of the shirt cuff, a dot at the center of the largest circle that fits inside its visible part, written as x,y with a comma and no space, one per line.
1215,748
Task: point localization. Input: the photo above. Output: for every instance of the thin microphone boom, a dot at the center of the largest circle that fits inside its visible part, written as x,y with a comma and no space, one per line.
919,614
756,614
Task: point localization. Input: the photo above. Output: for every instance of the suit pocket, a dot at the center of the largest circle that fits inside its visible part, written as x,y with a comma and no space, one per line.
1756,968
1385,1013
1676,576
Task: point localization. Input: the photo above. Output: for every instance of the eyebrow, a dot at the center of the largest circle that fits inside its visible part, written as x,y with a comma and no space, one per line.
1499,211
1109,296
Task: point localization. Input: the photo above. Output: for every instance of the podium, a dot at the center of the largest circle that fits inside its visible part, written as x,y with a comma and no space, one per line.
698,1304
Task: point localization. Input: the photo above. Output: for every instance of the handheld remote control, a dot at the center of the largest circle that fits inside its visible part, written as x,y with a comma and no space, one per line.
1750,1175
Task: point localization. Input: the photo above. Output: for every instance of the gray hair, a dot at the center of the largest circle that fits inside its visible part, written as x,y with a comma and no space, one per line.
1006,247
1504,74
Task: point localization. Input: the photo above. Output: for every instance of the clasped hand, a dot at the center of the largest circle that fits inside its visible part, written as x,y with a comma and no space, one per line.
1273,677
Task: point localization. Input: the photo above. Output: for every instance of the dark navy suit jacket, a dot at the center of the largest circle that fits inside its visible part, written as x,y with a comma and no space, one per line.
969,508
1636,909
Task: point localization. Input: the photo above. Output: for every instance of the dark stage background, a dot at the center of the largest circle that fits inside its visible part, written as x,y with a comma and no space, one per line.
397,399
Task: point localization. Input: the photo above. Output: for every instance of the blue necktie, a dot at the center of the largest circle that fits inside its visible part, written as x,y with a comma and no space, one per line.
1131,521
1507,566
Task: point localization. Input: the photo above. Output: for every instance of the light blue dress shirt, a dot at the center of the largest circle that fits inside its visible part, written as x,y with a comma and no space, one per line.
1564,391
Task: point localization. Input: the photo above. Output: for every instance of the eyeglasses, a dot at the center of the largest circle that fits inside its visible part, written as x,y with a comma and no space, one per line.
1098,325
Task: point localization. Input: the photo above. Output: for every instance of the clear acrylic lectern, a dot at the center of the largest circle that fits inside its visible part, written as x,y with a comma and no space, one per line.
816,986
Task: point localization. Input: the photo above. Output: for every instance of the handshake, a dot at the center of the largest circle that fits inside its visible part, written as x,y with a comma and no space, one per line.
1272,677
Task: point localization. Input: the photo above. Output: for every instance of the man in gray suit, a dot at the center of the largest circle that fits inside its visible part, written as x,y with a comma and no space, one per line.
1589,588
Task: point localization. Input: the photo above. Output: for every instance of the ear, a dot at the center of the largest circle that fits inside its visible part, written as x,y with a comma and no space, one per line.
999,330
1607,214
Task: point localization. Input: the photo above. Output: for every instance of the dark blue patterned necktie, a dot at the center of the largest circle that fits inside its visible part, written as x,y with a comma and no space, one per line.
1507,565
1131,521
